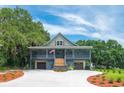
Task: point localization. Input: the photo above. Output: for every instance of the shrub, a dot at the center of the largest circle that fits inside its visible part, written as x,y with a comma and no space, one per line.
13,75
119,71
107,71
101,83
123,84
93,81
71,68
111,81
94,78
118,80
113,71
4,77
104,70
103,79
97,75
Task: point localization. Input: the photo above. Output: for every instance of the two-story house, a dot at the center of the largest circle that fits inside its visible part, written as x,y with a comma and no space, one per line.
59,52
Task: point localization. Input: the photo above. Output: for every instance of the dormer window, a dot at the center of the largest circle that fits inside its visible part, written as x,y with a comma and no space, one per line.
59,43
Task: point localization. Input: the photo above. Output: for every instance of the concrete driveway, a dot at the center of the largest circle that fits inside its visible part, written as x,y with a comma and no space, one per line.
49,78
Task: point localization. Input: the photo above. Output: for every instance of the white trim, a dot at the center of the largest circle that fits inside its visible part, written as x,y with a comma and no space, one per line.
84,65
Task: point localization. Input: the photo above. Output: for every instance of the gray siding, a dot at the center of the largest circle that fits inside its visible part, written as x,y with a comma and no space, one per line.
70,62
50,64
60,38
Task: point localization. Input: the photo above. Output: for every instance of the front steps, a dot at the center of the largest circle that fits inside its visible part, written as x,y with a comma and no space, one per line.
59,64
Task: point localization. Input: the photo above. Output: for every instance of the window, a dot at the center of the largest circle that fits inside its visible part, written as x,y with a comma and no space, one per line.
59,43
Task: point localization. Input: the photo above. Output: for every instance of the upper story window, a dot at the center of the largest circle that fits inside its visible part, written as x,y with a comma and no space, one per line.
59,43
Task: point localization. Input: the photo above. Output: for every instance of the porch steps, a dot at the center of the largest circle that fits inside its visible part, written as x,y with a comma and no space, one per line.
59,64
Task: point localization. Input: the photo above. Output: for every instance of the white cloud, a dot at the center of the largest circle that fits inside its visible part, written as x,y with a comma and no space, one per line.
6,6
54,29
96,35
103,26
76,19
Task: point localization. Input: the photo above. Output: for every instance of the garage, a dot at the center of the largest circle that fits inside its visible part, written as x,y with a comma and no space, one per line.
78,66
41,65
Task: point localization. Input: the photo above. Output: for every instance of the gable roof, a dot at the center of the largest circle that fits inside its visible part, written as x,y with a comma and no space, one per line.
59,34
72,46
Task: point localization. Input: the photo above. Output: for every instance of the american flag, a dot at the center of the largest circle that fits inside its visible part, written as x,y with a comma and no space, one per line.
52,51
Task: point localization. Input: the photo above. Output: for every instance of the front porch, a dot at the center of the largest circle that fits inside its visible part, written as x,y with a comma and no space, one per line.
60,57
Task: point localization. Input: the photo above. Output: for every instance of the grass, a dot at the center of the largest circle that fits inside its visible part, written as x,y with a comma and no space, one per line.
113,74
7,68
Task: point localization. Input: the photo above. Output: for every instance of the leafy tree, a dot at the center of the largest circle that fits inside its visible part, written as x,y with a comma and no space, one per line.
109,54
18,31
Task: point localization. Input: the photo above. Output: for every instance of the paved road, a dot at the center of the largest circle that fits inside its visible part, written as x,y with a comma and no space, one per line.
49,78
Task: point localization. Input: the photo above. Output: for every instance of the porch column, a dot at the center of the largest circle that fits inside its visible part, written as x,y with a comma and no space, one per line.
90,54
54,56
46,53
84,64
73,53
65,56
30,59
91,65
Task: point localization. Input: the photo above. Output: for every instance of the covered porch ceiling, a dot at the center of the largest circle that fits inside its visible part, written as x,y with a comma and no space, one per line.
60,47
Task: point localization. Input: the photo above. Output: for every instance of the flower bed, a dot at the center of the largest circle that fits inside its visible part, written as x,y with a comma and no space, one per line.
10,75
102,81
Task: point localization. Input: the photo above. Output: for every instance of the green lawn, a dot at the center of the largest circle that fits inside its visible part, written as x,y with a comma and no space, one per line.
113,74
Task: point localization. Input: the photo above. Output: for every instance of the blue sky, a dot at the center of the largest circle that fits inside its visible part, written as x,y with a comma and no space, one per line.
81,22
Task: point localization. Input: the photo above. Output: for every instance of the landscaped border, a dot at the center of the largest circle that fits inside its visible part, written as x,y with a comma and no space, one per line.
10,75
102,81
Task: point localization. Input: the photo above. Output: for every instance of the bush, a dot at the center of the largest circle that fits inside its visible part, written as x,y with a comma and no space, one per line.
4,77
94,78
97,75
93,81
103,77
4,68
113,71
71,68
111,81
118,80
2,59
119,71
123,84
107,71
101,83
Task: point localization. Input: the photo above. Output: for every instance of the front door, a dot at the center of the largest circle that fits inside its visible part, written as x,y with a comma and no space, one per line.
59,53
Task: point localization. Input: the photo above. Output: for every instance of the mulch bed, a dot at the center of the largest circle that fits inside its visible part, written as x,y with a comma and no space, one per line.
10,75
100,80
